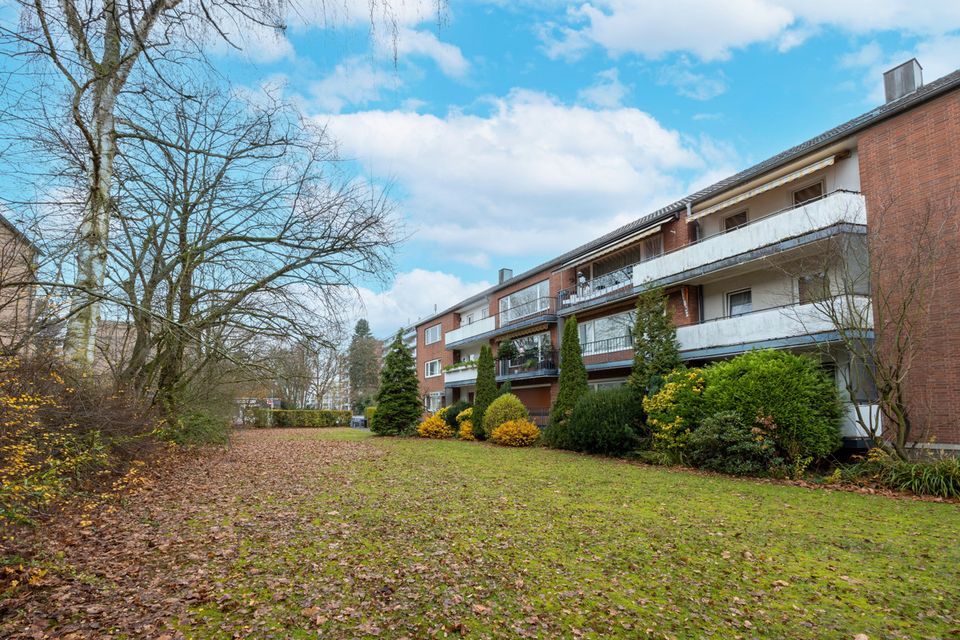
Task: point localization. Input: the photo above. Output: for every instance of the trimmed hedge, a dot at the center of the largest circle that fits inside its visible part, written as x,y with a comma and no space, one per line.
314,418
602,422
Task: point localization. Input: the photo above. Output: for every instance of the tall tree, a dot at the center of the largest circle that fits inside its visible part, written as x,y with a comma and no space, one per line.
656,351
364,366
486,390
572,382
398,400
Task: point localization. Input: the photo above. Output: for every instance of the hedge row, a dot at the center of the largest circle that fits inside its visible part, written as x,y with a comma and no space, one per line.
281,418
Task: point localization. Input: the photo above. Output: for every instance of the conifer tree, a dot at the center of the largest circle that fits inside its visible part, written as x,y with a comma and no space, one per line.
486,390
398,400
656,352
572,382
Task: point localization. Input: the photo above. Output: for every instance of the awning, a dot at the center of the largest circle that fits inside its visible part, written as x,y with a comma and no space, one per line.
773,184
593,255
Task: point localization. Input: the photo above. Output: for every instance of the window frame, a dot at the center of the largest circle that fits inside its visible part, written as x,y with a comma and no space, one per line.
730,294
426,334
426,368
794,192
746,220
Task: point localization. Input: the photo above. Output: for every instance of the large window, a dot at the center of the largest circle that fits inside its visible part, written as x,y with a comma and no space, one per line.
433,401
739,302
737,220
432,334
431,369
603,335
534,299
807,194
536,346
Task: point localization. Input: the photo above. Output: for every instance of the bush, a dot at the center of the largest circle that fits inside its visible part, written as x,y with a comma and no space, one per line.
196,428
369,413
310,418
675,411
791,391
454,411
434,427
602,422
724,443
505,408
466,430
515,433
933,478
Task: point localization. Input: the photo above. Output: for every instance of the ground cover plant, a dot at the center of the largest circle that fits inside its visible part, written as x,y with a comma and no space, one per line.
333,533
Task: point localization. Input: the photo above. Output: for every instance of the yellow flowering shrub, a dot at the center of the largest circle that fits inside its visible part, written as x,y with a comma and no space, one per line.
434,427
675,411
442,413
466,430
466,414
516,433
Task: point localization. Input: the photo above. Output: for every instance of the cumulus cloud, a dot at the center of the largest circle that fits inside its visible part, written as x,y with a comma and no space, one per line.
608,92
711,30
355,81
413,295
530,178
449,58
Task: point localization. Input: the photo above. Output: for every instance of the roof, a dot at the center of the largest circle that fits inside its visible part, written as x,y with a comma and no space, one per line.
925,93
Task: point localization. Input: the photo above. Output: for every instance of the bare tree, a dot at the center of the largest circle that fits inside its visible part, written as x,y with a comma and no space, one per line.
874,290
234,225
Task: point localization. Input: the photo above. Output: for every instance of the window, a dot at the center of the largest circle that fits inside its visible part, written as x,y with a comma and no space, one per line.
537,346
813,287
653,247
606,384
811,192
735,221
433,401
739,302
604,335
431,369
432,334
525,302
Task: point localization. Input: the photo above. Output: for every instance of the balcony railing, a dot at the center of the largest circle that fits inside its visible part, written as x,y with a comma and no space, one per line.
527,310
608,345
545,361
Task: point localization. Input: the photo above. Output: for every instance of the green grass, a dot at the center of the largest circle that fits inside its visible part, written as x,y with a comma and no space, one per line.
435,537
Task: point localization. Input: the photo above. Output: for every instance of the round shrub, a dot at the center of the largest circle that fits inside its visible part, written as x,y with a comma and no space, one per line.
516,433
434,427
789,392
675,411
726,444
603,422
504,408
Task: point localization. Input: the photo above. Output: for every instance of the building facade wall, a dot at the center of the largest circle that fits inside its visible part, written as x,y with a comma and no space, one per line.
909,169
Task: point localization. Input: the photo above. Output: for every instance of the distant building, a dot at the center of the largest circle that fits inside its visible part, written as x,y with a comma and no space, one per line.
18,263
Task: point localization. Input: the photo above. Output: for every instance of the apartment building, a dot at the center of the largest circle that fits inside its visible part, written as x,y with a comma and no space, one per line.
776,256
18,259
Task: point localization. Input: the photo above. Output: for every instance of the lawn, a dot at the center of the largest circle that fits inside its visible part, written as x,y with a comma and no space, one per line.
407,537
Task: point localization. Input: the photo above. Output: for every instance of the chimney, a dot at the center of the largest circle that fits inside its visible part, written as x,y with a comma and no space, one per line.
504,275
903,80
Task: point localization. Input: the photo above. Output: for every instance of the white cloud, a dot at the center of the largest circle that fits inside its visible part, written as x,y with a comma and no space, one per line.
410,42
355,81
711,30
608,92
690,83
413,295
531,178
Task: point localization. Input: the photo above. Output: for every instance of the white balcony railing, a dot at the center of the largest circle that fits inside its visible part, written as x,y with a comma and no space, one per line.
780,322
834,208
467,331
460,375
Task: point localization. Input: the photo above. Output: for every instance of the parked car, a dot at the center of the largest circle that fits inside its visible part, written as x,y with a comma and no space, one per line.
358,422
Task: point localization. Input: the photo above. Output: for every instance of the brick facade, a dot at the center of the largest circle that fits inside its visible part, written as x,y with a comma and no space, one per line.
909,164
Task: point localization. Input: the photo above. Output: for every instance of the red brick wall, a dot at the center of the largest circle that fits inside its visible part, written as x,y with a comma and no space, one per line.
908,164
425,353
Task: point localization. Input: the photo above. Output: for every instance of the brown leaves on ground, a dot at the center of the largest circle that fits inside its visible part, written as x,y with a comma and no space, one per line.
133,572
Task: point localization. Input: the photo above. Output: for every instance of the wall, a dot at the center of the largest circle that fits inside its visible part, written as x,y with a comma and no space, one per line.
16,302
910,165
769,288
434,351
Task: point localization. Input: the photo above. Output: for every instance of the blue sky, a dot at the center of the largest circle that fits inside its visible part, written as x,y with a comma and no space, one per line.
513,131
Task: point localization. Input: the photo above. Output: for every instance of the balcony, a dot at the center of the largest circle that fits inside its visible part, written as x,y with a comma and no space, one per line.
461,377
543,363
465,332
778,231
791,325
599,289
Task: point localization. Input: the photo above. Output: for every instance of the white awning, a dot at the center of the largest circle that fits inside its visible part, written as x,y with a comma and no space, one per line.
773,184
611,248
